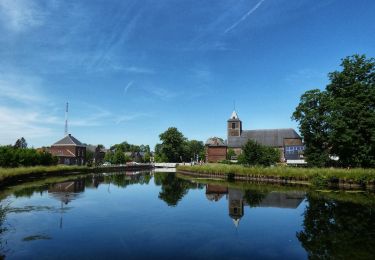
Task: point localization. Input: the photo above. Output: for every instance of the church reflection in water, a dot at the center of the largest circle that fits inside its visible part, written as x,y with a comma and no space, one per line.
238,199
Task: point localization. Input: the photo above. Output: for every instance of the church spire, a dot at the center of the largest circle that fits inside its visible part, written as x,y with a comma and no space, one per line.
234,115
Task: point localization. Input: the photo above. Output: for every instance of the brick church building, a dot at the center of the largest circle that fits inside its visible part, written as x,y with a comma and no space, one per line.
287,140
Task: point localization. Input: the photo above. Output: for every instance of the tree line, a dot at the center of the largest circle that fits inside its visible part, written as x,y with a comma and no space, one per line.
124,152
19,155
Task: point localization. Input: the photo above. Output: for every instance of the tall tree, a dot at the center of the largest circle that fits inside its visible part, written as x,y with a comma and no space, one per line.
172,144
352,107
340,121
21,143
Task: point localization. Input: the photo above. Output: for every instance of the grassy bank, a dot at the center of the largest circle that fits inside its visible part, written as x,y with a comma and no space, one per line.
316,176
11,173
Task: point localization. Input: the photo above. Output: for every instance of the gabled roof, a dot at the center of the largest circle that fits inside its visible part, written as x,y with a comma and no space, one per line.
68,140
268,137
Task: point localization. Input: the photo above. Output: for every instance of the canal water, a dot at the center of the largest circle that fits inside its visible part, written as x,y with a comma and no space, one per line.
167,215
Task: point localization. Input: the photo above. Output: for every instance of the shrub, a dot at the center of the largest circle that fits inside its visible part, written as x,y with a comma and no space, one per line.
257,154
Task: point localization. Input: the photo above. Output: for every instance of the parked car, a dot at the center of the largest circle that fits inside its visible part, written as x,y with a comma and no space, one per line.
106,164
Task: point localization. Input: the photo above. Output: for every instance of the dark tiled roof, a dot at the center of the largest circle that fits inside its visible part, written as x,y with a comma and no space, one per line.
68,140
289,200
268,137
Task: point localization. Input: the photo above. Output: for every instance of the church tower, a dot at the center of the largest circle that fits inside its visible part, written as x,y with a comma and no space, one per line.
236,205
234,125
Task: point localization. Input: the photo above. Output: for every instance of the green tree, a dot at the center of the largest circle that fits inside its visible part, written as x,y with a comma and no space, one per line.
340,121
312,114
89,157
144,148
119,157
257,154
147,157
352,110
230,154
172,144
193,148
21,143
109,157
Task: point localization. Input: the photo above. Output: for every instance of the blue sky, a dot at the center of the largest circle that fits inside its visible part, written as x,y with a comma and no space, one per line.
131,69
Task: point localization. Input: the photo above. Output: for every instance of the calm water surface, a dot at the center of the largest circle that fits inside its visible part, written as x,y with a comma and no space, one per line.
161,215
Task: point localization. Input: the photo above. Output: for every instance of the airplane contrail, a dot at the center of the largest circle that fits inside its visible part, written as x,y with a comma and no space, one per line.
126,88
243,18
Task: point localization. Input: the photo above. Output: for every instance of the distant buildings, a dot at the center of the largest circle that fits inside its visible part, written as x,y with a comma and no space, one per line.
286,140
69,151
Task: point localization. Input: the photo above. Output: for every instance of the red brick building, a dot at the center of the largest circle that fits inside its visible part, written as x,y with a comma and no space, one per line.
69,151
216,150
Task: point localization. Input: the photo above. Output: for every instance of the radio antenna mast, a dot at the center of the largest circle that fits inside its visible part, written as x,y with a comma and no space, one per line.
66,118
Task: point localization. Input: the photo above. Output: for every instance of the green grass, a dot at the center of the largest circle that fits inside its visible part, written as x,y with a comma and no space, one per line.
313,175
9,173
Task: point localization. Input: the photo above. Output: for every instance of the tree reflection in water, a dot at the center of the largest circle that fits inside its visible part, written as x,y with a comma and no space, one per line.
173,189
338,230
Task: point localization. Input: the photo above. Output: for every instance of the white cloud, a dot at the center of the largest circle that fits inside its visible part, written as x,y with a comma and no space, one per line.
21,89
16,123
18,15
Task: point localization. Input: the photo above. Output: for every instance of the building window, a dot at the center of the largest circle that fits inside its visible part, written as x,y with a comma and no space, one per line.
233,125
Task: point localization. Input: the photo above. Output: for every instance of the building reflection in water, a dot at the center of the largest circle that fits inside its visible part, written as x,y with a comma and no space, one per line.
66,192
237,199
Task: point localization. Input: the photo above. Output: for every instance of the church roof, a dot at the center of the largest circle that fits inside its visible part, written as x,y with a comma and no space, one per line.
68,140
268,137
215,141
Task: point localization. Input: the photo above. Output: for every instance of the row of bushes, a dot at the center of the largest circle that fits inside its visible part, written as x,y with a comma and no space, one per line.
15,157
